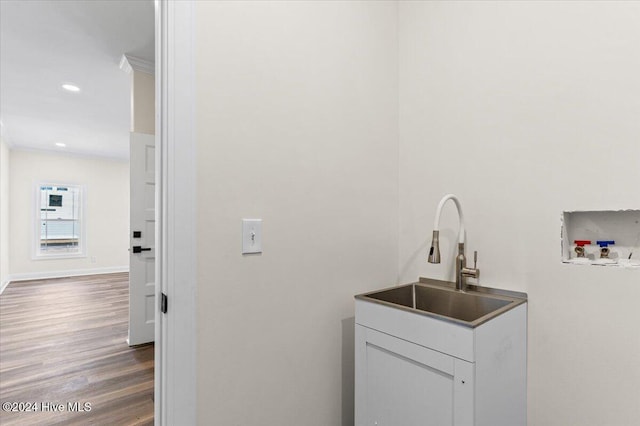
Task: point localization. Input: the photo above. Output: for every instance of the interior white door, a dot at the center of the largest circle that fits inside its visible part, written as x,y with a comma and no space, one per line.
142,305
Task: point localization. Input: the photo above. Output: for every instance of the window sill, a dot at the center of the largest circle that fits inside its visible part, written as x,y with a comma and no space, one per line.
59,256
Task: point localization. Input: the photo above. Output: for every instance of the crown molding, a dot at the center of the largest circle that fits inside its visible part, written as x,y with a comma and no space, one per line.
75,154
130,63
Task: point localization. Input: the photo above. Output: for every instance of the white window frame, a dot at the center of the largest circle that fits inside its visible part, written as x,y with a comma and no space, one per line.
37,254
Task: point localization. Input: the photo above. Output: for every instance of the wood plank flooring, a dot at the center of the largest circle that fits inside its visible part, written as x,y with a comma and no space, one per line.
64,341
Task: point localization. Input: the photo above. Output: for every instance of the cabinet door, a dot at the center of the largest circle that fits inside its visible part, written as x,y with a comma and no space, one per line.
399,383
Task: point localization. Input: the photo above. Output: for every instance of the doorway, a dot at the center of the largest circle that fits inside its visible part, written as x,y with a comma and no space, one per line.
63,109
175,330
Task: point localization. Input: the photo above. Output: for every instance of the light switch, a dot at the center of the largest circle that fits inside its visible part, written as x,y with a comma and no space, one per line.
251,236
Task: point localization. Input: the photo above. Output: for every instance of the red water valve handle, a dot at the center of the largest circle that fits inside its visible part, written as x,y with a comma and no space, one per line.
582,243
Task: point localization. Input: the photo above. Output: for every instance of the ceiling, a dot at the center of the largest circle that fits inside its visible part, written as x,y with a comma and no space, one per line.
44,44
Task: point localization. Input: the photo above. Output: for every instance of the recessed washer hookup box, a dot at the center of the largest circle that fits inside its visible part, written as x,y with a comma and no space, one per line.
601,237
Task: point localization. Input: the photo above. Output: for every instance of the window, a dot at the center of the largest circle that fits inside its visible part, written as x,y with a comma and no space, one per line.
59,221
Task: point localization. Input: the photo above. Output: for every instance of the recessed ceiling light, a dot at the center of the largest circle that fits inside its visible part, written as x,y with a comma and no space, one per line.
60,144
70,87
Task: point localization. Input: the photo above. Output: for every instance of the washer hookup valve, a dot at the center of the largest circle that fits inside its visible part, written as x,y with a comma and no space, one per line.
604,247
580,247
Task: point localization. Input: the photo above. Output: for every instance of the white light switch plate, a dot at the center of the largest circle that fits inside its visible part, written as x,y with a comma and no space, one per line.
251,236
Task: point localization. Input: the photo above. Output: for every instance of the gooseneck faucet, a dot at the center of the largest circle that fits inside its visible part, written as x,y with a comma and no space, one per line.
462,272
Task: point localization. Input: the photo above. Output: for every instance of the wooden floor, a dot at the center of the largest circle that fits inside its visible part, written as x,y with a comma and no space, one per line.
64,341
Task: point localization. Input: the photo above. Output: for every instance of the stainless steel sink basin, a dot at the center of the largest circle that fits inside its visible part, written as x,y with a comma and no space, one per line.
440,299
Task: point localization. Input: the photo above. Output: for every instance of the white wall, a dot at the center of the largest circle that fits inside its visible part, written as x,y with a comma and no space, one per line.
526,109
143,98
5,156
107,215
297,125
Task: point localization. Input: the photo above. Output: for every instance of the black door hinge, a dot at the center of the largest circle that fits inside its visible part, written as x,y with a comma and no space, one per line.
163,303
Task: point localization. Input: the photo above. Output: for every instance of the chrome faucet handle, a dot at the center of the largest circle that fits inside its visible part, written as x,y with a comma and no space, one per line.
472,272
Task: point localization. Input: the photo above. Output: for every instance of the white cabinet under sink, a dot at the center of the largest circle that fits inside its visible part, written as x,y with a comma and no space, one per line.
414,369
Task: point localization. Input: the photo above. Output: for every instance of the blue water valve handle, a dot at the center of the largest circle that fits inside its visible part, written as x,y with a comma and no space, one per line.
605,243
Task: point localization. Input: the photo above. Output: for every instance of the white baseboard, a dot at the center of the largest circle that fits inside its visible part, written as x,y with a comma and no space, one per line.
61,274
4,285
